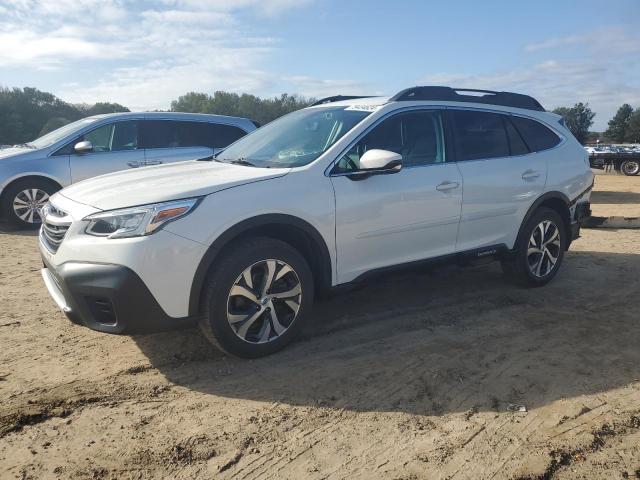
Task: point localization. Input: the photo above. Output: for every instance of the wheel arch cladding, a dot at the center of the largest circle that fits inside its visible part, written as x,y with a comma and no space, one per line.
557,201
296,232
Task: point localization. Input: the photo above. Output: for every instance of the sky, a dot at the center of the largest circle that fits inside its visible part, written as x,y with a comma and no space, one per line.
144,54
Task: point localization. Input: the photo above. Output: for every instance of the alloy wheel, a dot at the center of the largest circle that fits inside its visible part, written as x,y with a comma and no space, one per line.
544,248
28,203
631,167
264,301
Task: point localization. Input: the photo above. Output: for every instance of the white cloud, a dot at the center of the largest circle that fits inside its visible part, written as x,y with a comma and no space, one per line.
162,49
606,40
605,81
264,7
27,48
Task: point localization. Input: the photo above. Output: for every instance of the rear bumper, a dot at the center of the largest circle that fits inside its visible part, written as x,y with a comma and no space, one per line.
582,212
106,297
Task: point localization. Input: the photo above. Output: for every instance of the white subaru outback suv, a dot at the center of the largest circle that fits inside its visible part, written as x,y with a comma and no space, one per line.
322,197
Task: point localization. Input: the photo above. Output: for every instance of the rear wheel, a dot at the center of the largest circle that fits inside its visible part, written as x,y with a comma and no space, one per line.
539,251
24,199
256,298
630,167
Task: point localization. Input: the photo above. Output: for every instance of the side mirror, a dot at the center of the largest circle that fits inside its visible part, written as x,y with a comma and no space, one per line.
377,162
83,147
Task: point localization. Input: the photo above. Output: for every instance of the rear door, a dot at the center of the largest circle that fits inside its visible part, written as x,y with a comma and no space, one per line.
501,177
167,141
115,147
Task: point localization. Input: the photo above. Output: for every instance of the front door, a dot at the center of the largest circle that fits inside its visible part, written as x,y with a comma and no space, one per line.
397,218
115,147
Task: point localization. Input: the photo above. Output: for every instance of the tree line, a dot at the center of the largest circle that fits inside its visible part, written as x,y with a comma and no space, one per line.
27,113
261,110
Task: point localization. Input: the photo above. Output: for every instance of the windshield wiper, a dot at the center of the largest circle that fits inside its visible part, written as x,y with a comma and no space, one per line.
238,161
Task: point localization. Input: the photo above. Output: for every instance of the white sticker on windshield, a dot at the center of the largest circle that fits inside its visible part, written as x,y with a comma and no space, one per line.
364,108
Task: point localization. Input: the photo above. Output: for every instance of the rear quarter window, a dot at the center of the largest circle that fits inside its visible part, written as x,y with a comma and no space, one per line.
536,136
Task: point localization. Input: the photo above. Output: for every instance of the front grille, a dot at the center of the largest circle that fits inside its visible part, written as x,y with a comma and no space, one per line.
55,224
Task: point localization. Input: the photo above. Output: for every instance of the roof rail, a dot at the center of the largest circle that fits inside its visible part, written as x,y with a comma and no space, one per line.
337,98
449,94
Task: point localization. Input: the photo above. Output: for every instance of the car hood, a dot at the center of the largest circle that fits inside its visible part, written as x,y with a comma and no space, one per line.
165,182
13,151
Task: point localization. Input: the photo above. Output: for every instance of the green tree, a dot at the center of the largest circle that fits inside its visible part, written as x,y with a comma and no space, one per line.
192,102
26,113
578,119
632,135
101,108
262,110
619,123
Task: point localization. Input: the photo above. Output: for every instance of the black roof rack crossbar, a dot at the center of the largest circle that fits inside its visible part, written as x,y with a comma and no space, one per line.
337,98
506,99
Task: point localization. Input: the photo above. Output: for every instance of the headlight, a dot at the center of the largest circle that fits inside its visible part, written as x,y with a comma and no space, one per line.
137,221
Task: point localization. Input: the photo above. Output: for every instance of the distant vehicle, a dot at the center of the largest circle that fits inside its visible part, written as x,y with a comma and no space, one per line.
625,162
320,198
31,172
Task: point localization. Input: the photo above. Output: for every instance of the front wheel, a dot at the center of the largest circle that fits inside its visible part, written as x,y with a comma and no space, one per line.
630,167
256,297
539,249
24,199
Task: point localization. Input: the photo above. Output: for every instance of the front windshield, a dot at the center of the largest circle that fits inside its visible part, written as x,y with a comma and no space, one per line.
52,137
294,140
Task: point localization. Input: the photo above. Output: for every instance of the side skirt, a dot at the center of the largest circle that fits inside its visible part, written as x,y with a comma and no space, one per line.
476,256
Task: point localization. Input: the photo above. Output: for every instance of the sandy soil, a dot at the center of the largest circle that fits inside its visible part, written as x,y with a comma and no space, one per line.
616,195
411,377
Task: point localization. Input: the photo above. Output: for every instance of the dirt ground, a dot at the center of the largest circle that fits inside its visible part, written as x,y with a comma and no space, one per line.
616,195
412,377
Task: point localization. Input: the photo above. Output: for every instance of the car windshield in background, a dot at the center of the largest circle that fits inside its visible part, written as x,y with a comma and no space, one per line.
52,137
294,140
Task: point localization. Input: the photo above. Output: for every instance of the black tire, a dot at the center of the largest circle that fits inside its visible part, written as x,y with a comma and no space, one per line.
630,167
519,268
14,193
225,273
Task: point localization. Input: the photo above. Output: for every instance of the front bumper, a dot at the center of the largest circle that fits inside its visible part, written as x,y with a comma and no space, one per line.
106,297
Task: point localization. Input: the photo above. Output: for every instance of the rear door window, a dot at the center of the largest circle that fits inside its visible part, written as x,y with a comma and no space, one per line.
536,136
159,134
175,134
478,135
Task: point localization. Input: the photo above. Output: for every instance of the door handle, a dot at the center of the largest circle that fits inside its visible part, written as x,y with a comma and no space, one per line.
530,175
446,186
153,162
135,164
